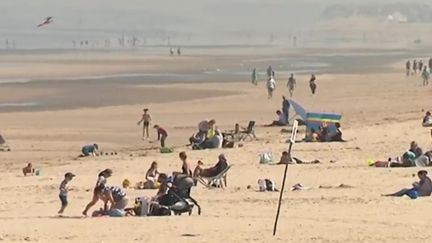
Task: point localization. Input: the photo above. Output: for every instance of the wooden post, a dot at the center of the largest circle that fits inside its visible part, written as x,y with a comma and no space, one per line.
291,141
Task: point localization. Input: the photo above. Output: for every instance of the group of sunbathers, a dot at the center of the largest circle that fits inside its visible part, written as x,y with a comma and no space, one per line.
413,157
325,134
115,198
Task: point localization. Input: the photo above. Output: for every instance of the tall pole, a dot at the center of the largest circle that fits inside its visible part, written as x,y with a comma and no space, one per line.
291,142
281,192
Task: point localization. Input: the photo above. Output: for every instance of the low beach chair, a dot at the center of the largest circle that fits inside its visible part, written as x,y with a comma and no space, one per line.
249,132
220,179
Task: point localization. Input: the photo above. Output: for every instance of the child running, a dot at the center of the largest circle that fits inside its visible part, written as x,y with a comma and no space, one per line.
64,191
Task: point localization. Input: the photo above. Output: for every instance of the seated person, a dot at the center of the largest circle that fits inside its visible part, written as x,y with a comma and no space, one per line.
423,188
323,133
281,121
28,169
163,188
90,150
312,136
115,196
151,176
197,139
214,142
414,148
336,136
220,166
427,120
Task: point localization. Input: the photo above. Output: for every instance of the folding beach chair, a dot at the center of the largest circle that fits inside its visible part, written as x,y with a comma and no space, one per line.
220,179
249,132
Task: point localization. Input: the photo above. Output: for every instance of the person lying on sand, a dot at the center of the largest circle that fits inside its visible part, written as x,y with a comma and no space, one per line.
409,157
28,170
287,159
100,186
220,166
281,121
423,188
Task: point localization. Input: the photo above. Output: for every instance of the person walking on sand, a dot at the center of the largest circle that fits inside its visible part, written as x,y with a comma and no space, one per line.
270,72
414,67
271,86
408,68
312,84
254,77
430,64
425,76
145,120
162,135
64,191
98,189
420,66
291,84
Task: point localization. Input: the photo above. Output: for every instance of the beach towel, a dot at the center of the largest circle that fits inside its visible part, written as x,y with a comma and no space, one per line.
166,150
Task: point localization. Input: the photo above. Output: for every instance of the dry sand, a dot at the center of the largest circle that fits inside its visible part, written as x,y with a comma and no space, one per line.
381,115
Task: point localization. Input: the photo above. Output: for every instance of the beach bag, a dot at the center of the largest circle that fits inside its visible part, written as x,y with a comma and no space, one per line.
266,158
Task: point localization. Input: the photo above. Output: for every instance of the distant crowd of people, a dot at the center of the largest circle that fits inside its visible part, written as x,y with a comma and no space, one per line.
291,84
419,67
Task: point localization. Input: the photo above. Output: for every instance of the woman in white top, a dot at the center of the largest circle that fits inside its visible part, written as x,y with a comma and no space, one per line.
271,86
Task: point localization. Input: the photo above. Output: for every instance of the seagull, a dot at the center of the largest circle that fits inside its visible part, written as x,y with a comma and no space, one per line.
46,21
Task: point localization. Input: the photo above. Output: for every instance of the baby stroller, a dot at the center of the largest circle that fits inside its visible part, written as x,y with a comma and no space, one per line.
178,200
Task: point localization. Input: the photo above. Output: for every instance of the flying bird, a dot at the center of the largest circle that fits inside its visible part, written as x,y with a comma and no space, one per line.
47,20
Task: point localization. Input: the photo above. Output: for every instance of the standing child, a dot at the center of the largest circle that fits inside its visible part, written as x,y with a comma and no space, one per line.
64,190
162,135
145,120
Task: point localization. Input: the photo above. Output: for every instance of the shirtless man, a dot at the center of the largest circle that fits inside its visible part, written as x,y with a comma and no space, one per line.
291,84
145,120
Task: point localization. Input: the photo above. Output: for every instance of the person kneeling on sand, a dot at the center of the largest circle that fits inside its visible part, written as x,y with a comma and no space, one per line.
28,169
281,121
90,150
423,188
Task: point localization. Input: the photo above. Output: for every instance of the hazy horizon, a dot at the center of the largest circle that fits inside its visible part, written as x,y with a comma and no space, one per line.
191,21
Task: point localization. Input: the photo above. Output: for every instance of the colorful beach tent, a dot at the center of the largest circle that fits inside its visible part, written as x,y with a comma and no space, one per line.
2,140
314,120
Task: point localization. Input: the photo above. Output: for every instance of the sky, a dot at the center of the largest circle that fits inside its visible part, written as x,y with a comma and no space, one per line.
205,20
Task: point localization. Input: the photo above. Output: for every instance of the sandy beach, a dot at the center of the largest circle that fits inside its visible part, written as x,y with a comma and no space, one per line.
381,108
